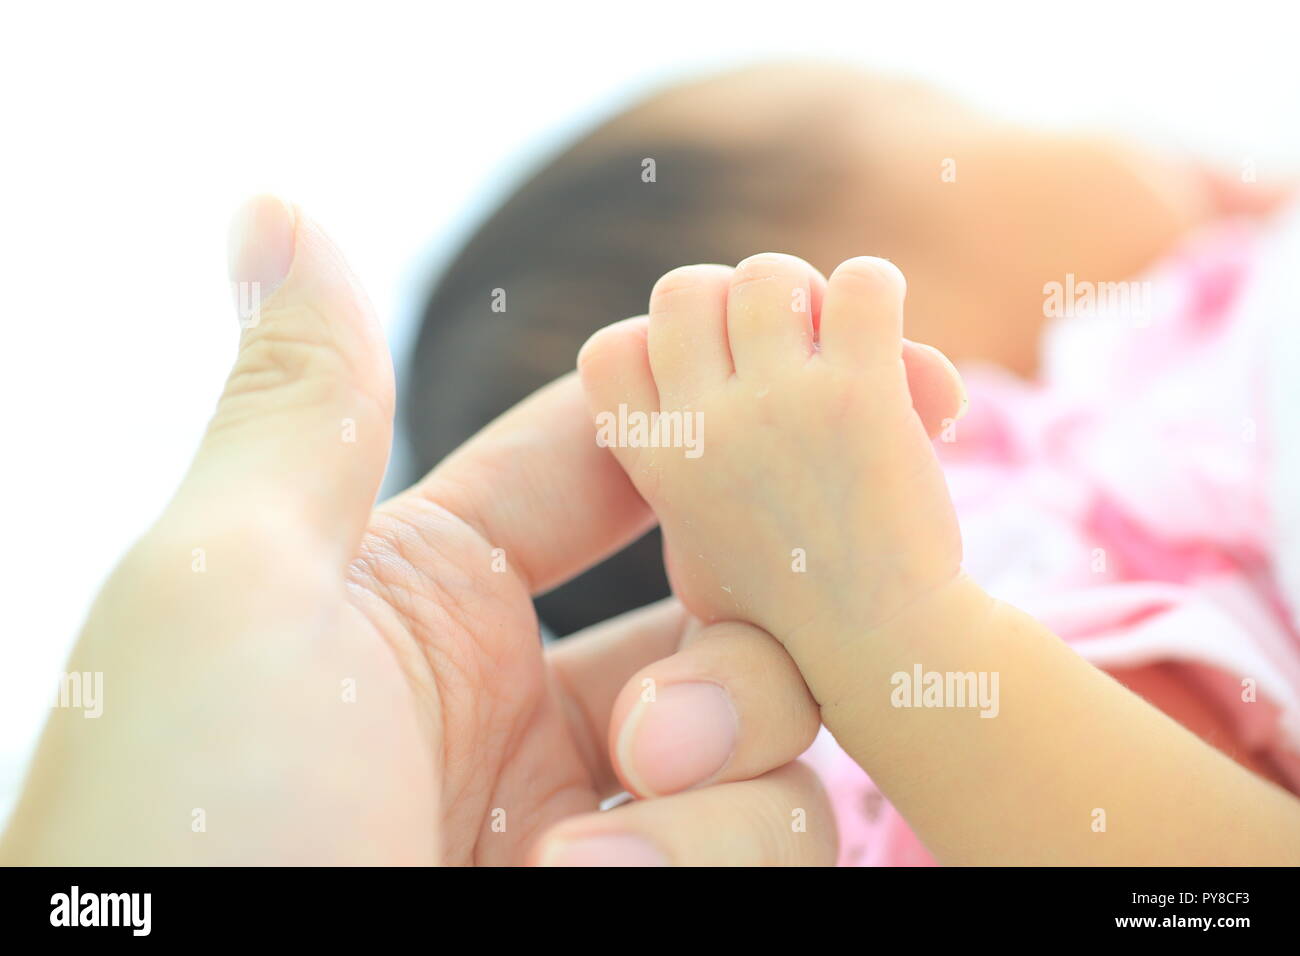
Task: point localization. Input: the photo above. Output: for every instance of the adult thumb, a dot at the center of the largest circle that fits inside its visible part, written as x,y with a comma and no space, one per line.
302,431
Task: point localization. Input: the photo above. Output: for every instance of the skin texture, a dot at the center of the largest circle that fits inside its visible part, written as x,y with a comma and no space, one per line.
293,676
812,444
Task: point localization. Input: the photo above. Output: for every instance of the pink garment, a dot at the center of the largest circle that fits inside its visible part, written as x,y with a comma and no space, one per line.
1125,501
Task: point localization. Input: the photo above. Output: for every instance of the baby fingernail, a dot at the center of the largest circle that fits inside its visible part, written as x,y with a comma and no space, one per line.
610,849
685,735
260,251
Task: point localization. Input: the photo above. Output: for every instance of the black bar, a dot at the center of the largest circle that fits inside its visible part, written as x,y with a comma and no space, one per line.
468,908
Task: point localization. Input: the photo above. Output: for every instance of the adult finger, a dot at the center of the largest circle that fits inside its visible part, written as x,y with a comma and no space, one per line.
535,483
301,433
782,818
659,705
730,705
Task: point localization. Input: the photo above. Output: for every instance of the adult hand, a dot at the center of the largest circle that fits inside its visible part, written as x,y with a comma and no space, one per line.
291,676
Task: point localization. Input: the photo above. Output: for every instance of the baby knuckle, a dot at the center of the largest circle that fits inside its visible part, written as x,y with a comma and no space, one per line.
596,350
874,273
684,280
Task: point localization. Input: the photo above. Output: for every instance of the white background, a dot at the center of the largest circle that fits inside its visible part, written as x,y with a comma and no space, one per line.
129,133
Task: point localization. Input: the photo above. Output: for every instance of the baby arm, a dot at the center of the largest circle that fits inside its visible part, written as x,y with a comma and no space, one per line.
1073,769
809,502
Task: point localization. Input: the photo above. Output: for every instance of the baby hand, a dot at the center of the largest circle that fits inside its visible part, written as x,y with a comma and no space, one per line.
765,414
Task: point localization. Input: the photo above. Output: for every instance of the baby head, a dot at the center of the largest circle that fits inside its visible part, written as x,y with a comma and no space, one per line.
822,162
